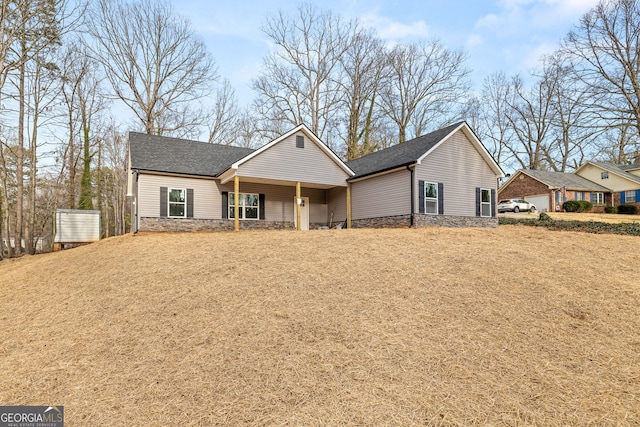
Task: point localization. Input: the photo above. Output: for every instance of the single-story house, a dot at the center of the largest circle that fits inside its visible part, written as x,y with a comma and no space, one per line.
445,178
601,183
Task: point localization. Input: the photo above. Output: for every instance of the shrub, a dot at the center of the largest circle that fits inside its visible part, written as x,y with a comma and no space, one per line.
610,209
585,206
628,209
571,206
544,217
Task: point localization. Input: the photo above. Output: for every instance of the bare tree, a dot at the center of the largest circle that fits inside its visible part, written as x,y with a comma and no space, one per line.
493,124
605,50
427,81
619,145
573,133
298,83
153,60
530,116
248,133
112,179
31,27
70,82
41,96
222,119
364,68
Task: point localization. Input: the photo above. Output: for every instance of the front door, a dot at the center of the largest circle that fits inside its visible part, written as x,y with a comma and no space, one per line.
304,213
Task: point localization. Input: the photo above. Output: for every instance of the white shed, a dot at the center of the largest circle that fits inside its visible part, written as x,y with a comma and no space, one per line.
76,226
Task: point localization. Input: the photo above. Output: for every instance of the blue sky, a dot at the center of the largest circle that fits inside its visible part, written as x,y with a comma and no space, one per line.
498,35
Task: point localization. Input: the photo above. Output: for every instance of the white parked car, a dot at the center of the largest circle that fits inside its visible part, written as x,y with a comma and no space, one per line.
515,205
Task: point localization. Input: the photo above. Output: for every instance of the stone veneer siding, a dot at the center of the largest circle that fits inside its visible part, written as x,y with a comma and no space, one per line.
183,224
421,220
399,221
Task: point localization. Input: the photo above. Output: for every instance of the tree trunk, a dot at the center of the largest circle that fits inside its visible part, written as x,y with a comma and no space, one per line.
100,186
86,193
20,162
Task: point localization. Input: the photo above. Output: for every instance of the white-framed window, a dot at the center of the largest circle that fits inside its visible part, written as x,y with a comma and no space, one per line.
485,202
604,175
630,196
249,206
431,198
597,198
177,202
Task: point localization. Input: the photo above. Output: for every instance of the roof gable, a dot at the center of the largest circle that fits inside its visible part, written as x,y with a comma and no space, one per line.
623,171
181,156
312,137
415,150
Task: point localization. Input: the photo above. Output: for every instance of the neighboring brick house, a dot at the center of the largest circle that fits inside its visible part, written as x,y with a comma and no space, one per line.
603,184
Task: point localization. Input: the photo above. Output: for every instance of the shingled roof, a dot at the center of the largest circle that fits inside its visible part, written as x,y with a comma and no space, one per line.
399,155
182,156
571,181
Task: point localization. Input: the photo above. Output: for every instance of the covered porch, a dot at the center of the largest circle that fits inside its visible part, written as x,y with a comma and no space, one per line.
284,204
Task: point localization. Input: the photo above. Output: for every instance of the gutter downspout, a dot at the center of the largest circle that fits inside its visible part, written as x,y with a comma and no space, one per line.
413,210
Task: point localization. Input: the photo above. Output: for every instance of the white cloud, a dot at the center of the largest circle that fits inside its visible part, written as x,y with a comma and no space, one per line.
532,58
522,15
391,30
474,40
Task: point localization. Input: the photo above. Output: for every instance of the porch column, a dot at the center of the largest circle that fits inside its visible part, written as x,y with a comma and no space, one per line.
236,201
349,205
298,205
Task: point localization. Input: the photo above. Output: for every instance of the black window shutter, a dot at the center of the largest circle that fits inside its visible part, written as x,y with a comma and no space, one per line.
493,203
163,202
189,202
225,205
421,196
478,201
261,205
440,198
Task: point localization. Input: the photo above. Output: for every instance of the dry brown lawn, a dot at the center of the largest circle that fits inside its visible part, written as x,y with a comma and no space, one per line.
438,327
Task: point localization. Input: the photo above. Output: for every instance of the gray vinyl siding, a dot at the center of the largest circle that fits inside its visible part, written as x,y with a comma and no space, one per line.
459,166
383,195
285,162
204,195
279,200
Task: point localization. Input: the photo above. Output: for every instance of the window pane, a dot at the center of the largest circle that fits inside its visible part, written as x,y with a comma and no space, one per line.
252,213
630,197
251,200
232,198
232,212
486,209
430,190
431,207
486,196
176,195
176,209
